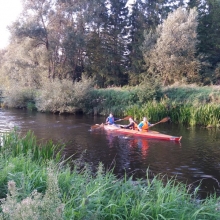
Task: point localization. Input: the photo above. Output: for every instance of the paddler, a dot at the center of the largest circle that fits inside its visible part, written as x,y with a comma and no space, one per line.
132,125
144,125
110,120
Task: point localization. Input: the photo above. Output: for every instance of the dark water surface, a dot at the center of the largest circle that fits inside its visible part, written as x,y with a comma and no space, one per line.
196,160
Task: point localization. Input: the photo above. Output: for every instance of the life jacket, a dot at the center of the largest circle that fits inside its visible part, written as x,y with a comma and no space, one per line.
111,120
135,126
145,126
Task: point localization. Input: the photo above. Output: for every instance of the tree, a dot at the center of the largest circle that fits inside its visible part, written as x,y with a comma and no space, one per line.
208,35
144,16
209,30
170,52
106,44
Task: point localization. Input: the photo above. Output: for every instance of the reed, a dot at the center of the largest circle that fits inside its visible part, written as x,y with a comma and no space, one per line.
192,94
12,144
188,114
184,104
106,197
111,100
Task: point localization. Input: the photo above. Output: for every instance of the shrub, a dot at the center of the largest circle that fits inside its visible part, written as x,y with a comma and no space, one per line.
36,206
18,96
63,95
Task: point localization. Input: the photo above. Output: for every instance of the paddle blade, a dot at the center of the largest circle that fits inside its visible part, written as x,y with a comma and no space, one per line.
95,126
165,119
126,118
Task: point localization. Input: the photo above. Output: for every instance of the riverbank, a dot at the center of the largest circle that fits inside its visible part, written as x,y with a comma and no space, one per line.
185,104
36,181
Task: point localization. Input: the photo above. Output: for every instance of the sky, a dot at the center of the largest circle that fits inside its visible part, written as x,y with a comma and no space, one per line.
9,11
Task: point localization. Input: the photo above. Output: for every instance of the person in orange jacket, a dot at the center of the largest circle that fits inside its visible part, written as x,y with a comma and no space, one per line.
144,125
132,125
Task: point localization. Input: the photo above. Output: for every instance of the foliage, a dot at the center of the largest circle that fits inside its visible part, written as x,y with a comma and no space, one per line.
63,95
113,100
102,39
35,206
189,105
204,115
172,56
118,99
192,94
208,30
25,68
18,97
107,54
15,145
22,160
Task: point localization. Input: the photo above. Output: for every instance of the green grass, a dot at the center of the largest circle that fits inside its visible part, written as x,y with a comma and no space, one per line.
192,94
204,115
43,188
14,145
185,104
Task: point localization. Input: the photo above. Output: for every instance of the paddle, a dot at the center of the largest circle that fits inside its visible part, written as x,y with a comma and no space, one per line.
126,118
99,125
162,121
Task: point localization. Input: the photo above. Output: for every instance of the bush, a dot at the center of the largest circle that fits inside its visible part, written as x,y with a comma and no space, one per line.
36,205
63,95
18,97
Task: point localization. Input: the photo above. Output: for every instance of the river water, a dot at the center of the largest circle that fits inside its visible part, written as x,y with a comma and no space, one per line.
194,161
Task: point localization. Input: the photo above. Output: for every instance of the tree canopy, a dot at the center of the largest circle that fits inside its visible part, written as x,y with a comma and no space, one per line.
114,42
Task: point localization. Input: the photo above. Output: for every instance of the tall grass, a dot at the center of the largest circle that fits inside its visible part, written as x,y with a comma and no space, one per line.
14,145
188,114
35,205
40,188
119,99
106,197
192,94
111,100
185,104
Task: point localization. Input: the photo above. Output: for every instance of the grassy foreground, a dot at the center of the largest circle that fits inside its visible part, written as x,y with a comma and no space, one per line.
39,186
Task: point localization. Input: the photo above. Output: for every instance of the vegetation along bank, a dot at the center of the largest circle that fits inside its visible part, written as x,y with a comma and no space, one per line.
185,104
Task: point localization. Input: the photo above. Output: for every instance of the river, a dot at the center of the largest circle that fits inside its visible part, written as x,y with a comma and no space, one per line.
194,161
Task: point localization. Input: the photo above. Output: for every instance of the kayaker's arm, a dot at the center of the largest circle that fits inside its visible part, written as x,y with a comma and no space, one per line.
131,125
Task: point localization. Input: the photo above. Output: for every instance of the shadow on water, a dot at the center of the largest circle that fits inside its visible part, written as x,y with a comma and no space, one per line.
195,161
